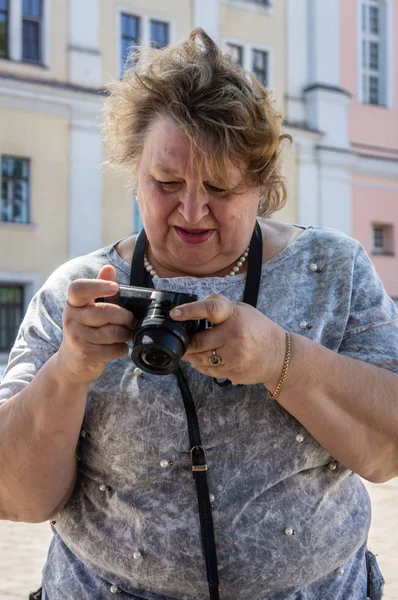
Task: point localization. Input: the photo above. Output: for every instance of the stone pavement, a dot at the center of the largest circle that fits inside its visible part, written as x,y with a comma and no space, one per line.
23,546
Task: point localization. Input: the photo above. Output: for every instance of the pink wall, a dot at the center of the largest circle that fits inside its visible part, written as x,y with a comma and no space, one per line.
375,200
377,204
373,125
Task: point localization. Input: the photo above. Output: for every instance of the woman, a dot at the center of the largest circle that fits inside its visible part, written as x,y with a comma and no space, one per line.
310,409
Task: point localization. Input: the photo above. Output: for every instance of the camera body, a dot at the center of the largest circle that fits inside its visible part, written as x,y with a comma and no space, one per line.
159,342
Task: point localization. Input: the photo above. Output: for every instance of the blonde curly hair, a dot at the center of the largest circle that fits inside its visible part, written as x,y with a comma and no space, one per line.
224,111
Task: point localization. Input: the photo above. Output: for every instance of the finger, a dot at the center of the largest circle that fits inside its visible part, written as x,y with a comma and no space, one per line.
106,335
214,308
111,352
83,291
205,341
107,272
99,314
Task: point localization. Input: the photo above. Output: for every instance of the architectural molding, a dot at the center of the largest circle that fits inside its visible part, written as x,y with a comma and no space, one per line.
85,60
206,14
31,281
66,101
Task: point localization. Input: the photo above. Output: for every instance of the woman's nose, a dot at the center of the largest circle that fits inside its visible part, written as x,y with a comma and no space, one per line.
193,207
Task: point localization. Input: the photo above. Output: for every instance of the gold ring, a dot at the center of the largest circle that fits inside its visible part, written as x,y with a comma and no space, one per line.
215,360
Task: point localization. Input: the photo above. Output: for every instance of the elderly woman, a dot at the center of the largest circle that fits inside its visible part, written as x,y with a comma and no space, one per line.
102,448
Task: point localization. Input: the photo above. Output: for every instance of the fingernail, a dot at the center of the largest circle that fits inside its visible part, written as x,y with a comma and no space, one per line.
176,312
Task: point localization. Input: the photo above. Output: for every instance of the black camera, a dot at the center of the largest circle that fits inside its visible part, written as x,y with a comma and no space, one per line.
159,342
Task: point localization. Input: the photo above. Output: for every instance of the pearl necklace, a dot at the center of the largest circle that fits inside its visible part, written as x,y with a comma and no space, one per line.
234,271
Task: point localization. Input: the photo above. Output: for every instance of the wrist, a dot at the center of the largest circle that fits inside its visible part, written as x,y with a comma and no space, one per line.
276,383
65,377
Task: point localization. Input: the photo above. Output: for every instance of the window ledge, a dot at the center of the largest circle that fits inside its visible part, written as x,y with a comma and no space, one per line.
30,63
382,253
253,6
15,225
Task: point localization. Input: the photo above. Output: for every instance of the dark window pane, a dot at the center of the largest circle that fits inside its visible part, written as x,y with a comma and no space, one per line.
260,65
364,8
374,19
130,25
4,5
32,8
159,34
236,53
15,190
373,90
374,55
11,312
3,35
31,41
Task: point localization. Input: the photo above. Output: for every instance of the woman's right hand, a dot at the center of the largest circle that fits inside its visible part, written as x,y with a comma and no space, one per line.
93,333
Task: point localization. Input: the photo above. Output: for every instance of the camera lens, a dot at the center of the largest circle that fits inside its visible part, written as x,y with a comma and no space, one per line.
157,359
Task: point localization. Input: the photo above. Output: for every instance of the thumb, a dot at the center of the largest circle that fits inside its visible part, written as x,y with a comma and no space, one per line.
108,273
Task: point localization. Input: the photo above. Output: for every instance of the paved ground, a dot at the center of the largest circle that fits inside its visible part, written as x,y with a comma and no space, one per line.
23,546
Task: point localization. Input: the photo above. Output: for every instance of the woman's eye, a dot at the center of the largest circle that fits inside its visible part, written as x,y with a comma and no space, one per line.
168,184
215,190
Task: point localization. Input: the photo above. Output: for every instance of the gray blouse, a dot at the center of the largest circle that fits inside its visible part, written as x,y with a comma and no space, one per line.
291,523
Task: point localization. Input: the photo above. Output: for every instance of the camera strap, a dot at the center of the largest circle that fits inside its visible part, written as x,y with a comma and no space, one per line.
140,277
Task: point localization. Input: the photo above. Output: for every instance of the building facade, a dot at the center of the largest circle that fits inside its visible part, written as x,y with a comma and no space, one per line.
342,107
55,59
330,66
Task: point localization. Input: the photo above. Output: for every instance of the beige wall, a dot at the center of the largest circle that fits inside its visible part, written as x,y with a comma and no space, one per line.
43,245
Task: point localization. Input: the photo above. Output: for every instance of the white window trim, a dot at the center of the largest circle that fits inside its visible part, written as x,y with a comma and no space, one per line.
387,68
253,6
247,55
30,281
15,34
145,19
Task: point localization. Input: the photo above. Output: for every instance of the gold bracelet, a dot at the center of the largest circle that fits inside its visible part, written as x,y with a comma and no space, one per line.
285,368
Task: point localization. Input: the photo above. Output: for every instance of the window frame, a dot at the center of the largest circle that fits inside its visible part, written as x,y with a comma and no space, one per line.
40,22
248,49
386,248
4,306
385,41
137,38
28,185
158,22
145,28
7,30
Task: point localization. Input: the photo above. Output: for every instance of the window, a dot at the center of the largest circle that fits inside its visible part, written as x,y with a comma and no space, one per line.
137,223
32,15
159,34
11,312
14,190
260,65
3,28
263,2
373,53
130,27
236,53
383,238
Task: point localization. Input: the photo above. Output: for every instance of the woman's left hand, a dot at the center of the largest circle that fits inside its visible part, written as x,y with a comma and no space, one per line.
252,347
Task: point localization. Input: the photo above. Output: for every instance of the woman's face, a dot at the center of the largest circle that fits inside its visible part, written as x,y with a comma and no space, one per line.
194,227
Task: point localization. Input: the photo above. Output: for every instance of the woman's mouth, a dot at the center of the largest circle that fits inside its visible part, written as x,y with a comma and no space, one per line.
194,236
